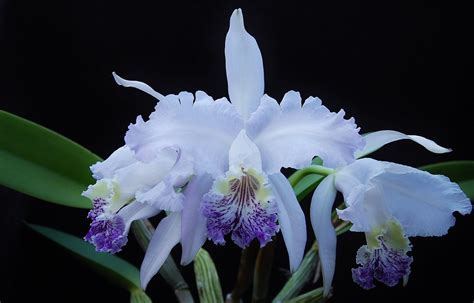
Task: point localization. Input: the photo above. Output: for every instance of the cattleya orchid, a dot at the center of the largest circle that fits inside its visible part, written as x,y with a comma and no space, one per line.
388,202
241,146
128,190
214,167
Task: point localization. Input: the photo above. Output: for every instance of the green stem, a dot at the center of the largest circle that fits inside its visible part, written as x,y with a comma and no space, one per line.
300,277
143,231
263,269
316,295
312,169
244,276
305,272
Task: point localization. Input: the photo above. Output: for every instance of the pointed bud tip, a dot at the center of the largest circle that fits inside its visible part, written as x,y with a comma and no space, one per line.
237,20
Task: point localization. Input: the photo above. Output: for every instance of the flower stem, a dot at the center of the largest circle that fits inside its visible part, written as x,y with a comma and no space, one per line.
244,276
300,277
143,231
312,169
305,272
263,269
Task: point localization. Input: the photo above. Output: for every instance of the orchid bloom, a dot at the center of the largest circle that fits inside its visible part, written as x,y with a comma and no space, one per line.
128,190
388,202
240,146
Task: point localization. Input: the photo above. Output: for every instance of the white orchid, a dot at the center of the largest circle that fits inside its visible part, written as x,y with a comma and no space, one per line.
388,202
238,150
129,190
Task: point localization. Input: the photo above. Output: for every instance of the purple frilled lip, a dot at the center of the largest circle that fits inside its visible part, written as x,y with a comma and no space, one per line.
384,264
240,213
107,231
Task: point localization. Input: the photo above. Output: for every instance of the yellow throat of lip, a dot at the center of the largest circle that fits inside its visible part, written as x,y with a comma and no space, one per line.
262,192
109,190
392,233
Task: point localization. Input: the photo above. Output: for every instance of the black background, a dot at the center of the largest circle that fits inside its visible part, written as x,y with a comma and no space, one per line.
403,66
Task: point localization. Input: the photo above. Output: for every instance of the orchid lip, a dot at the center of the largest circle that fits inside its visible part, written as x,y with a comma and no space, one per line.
241,205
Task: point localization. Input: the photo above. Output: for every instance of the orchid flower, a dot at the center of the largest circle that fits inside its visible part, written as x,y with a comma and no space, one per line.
388,202
128,190
240,146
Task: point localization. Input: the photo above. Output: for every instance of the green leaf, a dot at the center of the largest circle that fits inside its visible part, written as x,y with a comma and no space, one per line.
461,172
207,280
41,163
112,267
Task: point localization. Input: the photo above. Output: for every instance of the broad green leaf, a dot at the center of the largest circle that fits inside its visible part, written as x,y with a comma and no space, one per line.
461,172
207,280
41,163
112,267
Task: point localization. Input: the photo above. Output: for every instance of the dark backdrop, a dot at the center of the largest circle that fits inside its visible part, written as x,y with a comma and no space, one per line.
392,66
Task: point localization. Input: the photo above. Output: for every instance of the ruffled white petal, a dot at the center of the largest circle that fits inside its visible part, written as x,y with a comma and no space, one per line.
320,212
120,158
291,219
166,236
423,203
244,153
138,85
193,226
204,130
365,210
244,67
290,135
164,194
140,176
376,140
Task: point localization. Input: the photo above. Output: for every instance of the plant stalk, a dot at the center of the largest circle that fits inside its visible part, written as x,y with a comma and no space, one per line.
263,269
245,274
312,169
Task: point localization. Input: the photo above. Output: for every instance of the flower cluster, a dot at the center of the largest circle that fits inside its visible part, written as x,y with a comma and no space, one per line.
214,167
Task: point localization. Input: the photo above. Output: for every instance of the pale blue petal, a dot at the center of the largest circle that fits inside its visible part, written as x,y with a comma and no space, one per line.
136,211
138,85
193,227
166,236
320,212
291,219
290,135
423,203
244,67
205,130
244,153
375,140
